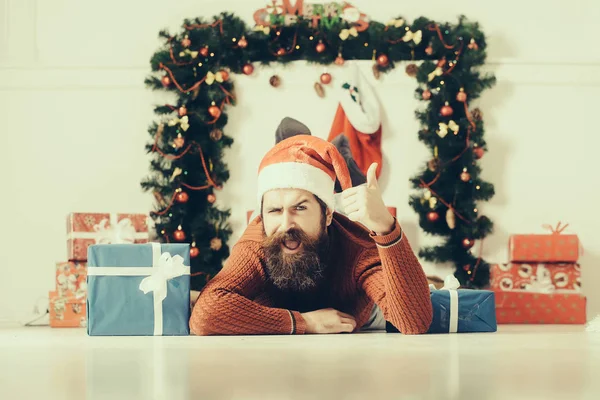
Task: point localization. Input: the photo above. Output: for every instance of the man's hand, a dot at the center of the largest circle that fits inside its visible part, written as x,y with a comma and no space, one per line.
328,321
364,204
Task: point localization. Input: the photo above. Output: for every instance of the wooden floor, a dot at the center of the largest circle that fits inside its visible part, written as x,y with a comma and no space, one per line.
518,362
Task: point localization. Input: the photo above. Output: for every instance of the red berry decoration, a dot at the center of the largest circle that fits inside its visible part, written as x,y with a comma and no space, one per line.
432,216
179,234
326,78
214,111
248,69
182,197
465,176
383,60
479,152
446,110
467,243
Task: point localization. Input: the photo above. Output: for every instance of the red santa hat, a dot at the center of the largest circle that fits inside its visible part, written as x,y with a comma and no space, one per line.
303,162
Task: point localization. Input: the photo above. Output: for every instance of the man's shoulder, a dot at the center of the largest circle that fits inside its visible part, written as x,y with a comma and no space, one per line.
351,233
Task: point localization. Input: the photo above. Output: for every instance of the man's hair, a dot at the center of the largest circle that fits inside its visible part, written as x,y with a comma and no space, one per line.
321,204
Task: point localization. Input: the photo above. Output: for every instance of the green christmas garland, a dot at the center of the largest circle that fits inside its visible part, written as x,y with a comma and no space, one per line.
199,63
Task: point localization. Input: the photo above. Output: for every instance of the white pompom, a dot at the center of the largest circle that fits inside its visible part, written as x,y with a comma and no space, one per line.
593,325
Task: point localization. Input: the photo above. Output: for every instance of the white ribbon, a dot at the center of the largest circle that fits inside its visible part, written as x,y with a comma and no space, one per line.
164,268
451,284
542,282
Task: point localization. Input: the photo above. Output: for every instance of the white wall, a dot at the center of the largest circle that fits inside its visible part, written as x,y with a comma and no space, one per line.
74,113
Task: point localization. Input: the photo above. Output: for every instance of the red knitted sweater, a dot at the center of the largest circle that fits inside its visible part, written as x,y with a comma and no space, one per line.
363,269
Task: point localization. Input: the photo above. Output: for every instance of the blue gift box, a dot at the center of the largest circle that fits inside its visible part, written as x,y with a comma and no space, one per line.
138,289
460,310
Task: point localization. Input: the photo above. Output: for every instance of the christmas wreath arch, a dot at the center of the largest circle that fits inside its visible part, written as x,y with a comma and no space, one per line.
198,64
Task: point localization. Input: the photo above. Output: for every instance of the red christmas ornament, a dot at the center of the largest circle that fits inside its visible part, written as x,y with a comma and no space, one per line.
426,94
446,110
432,216
320,47
429,50
186,42
465,176
383,60
441,63
466,267
248,69
194,252
211,198
182,111
467,243
214,111
461,96
339,60
479,152
281,52
243,43
473,45
182,197
225,75
166,81
216,134
326,78
179,234
204,51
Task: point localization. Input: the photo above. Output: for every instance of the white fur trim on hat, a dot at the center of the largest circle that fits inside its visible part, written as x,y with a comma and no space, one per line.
296,175
363,111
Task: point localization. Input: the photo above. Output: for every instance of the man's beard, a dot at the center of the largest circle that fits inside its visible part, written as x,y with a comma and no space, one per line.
301,271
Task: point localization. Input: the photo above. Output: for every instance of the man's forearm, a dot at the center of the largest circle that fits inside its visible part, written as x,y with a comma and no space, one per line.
407,298
219,311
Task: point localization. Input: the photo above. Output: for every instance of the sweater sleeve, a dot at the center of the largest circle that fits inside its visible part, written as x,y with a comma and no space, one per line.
393,278
224,306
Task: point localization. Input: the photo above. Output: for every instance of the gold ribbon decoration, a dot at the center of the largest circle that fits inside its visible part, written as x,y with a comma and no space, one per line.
211,78
345,33
262,28
436,72
183,121
194,54
443,130
414,36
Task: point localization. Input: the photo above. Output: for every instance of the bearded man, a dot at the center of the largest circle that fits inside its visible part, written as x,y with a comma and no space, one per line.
302,268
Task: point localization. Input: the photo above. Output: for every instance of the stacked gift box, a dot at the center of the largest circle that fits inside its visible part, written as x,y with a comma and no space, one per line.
541,283
67,302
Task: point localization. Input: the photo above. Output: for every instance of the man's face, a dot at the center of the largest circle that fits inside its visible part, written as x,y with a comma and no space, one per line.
296,240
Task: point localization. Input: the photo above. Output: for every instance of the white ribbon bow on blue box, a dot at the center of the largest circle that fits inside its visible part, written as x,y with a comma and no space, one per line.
121,289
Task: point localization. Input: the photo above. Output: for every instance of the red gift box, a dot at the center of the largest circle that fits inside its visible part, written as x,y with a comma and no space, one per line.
66,311
71,279
520,307
554,247
85,229
523,276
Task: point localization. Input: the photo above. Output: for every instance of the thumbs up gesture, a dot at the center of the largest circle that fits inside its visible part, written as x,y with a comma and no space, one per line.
364,204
